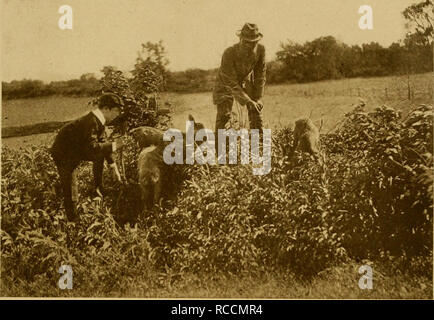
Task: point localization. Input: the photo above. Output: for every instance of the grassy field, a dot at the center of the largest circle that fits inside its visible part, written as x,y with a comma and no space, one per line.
29,111
329,101
326,100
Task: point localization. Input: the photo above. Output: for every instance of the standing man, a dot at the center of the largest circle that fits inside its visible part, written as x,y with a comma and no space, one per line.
83,140
241,77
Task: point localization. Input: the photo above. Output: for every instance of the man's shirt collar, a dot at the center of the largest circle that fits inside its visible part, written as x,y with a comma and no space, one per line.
97,113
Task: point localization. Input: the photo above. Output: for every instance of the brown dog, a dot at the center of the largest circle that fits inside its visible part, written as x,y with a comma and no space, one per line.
147,136
152,171
151,166
306,136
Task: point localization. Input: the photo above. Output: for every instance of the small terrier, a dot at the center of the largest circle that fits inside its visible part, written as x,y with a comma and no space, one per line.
306,136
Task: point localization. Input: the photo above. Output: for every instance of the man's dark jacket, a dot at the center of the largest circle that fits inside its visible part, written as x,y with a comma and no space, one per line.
82,139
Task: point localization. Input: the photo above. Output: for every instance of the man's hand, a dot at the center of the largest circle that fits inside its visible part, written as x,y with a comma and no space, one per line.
253,105
116,173
259,104
119,144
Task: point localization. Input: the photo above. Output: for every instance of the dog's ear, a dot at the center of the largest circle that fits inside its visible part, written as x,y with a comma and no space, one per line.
136,134
190,117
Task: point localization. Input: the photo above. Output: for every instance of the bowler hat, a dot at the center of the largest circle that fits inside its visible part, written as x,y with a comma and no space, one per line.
250,32
111,100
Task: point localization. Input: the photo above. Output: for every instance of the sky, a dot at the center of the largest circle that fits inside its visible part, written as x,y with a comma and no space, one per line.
194,32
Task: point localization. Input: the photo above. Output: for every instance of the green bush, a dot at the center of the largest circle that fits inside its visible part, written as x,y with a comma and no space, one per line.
382,181
370,198
227,219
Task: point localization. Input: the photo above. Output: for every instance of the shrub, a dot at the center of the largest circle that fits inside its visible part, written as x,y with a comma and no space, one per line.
227,219
382,181
370,198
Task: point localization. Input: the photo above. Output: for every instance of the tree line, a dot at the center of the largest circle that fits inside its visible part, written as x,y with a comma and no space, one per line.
326,58
86,85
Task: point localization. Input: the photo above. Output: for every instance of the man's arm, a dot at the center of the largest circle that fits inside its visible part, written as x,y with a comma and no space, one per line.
95,147
259,75
230,80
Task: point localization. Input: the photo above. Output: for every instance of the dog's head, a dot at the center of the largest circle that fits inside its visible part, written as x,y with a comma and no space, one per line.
147,136
304,125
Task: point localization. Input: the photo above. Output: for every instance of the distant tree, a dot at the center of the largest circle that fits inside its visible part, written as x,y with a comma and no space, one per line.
418,54
116,82
88,77
150,71
293,57
275,72
420,20
374,60
396,58
140,91
417,47
324,55
191,80
350,62
319,59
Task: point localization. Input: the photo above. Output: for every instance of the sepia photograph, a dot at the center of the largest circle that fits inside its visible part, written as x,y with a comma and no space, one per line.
231,149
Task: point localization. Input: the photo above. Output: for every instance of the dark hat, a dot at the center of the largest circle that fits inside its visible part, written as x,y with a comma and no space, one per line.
250,32
110,100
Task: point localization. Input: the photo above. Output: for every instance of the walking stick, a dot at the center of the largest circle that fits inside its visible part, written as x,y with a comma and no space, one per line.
123,165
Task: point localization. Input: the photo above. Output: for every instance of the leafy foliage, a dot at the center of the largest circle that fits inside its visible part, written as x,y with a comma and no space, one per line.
420,17
370,198
327,58
385,189
140,109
